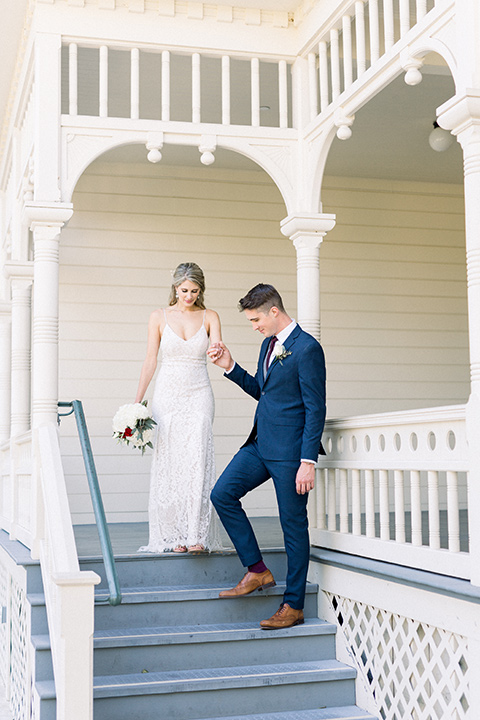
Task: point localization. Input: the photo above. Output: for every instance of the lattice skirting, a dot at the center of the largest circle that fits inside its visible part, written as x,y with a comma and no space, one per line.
414,670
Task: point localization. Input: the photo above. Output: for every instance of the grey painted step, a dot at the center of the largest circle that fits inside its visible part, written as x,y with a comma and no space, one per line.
48,703
171,568
43,657
197,604
352,712
191,694
175,648
38,611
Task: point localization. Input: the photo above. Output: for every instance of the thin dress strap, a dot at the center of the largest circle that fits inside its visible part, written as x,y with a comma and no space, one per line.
204,313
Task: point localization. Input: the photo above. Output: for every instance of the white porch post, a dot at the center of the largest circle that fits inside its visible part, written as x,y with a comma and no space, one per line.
461,115
46,223
21,278
5,372
306,231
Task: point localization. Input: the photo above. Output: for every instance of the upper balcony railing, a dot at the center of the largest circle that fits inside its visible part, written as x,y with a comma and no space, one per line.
154,84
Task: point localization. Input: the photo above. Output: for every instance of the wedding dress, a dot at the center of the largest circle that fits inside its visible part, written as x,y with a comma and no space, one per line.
183,464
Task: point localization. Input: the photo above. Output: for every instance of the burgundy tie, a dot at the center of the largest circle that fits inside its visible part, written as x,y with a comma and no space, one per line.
271,345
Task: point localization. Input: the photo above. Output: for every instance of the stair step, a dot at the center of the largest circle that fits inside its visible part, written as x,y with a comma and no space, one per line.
192,646
333,713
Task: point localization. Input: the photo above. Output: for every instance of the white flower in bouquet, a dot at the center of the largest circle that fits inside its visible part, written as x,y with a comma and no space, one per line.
280,352
133,424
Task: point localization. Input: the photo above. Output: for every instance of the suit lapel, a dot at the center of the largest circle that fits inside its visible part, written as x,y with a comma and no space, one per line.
289,342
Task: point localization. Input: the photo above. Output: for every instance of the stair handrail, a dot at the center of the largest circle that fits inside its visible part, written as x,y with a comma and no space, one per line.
115,597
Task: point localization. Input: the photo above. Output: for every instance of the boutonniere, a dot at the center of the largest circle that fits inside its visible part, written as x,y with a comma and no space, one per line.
280,353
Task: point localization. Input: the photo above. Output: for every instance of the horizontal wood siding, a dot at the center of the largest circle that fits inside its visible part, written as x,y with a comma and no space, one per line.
394,323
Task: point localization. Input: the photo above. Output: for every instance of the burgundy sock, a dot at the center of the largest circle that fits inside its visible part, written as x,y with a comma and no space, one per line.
258,567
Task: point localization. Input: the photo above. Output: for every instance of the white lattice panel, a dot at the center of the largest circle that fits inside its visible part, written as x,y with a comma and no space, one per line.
3,625
414,670
20,662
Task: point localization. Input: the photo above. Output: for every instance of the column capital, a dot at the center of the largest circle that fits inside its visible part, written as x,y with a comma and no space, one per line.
5,311
47,215
460,113
15,270
307,229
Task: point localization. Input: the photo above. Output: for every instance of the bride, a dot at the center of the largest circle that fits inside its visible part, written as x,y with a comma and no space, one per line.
183,465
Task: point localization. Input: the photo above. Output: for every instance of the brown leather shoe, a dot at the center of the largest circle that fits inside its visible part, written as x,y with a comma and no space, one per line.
250,582
285,617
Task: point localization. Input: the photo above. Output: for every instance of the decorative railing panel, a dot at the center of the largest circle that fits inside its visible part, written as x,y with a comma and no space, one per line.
394,487
143,83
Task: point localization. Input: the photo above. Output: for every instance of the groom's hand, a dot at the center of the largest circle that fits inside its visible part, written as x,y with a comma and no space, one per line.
219,354
305,479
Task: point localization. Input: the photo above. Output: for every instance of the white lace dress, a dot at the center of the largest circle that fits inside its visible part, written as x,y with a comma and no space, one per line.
183,463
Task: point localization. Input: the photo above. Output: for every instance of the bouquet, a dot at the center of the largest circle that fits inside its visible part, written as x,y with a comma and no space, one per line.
134,424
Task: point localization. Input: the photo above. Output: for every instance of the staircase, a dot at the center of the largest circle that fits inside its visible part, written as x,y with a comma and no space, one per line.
174,651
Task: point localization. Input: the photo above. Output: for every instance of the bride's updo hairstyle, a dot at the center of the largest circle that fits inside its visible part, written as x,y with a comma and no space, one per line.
194,273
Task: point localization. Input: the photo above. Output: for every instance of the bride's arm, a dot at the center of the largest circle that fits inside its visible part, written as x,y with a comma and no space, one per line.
150,362
213,327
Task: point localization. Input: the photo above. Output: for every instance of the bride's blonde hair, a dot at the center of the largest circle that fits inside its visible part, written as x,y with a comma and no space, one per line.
194,273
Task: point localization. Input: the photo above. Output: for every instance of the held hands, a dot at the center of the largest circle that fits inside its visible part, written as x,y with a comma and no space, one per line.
305,479
219,354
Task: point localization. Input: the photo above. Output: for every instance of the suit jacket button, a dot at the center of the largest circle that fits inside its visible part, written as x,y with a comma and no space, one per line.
263,392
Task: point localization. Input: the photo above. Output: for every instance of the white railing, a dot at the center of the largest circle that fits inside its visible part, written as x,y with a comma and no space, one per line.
16,493
69,593
393,487
366,31
144,83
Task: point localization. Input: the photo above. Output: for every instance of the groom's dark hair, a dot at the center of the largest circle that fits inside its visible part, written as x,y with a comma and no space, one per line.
261,297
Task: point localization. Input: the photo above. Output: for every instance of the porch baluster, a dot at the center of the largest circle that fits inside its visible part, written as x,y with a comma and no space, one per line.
332,501
374,31
165,86
416,505
347,50
399,506
320,498
135,84
384,505
388,24
335,62
282,94
73,79
225,90
196,112
370,503
360,37
103,84
433,510
421,9
312,85
343,477
404,17
356,502
255,91
452,512
323,75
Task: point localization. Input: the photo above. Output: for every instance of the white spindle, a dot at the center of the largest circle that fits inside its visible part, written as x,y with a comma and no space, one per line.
196,112
332,501
134,83
388,24
356,503
73,79
312,85
323,75
226,90
404,17
255,91
335,61
452,511
282,93
347,50
343,478
370,503
360,37
399,506
166,85
421,9
433,510
320,497
384,505
416,503
374,30
103,85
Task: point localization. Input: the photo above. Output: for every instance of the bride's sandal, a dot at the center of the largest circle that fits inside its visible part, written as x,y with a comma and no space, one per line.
196,549
180,549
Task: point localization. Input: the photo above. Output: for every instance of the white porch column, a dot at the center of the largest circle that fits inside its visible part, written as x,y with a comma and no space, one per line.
461,115
46,223
21,278
5,372
306,231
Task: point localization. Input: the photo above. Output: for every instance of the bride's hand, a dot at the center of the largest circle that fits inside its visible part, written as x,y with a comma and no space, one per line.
215,351
219,354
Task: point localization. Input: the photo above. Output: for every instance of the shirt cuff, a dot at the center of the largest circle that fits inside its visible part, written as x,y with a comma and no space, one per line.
311,462
227,372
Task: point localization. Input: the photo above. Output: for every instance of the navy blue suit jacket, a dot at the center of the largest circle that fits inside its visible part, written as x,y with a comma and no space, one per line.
291,409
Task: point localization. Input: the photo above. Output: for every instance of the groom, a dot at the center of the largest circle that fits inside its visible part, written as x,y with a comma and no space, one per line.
284,444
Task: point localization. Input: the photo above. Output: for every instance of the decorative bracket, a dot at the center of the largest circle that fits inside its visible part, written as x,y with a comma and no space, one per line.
344,124
208,145
412,66
153,145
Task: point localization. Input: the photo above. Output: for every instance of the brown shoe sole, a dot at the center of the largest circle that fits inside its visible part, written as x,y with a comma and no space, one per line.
259,589
282,627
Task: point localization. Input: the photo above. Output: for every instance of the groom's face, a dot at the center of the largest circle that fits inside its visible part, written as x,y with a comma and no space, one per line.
265,322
